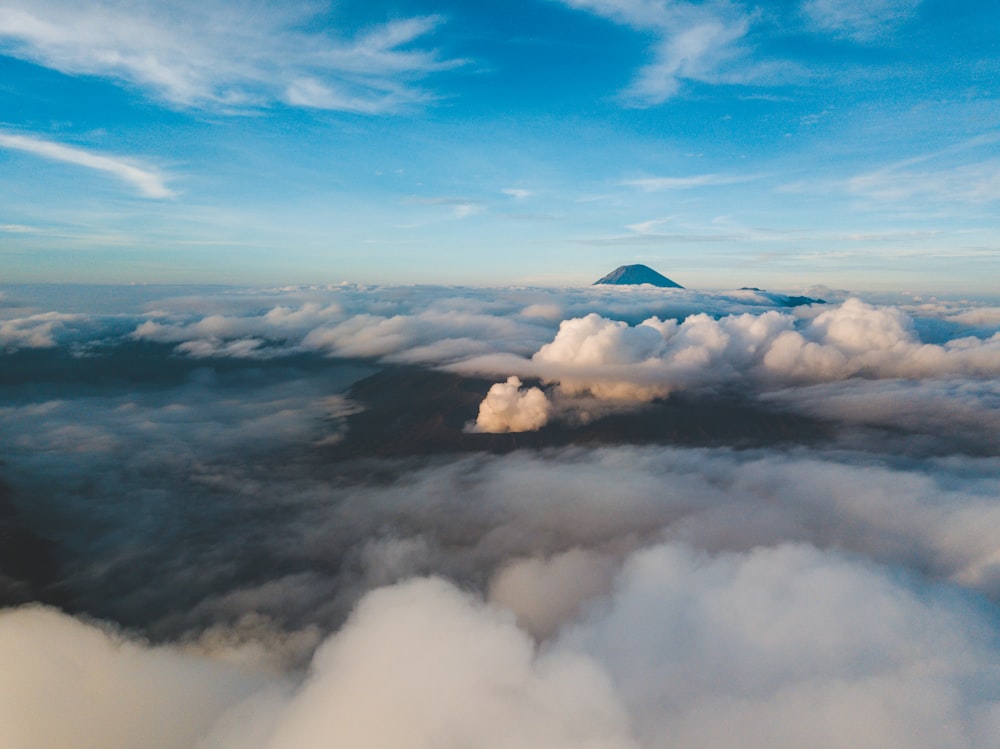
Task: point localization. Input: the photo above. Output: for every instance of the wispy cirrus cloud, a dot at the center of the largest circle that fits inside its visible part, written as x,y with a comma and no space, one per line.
861,20
212,55
149,181
460,207
517,193
655,184
967,183
703,43
963,173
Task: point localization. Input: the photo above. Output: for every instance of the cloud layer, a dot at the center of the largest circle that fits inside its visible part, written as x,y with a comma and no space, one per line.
226,578
745,648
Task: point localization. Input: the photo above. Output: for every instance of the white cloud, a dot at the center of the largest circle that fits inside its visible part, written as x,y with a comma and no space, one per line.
614,360
147,180
220,56
655,184
35,331
977,182
450,671
652,339
965,172
776,647
460,207
834,595
546,594
862,20
517,193
790,647
701,43
110,693
508,407
649,227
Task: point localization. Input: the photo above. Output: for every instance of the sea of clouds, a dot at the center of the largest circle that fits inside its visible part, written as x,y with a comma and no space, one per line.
218,580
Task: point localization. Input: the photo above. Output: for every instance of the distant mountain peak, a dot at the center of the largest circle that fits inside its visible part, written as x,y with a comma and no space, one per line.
632,275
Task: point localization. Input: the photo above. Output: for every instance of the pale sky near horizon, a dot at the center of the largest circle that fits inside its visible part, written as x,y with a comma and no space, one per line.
851,143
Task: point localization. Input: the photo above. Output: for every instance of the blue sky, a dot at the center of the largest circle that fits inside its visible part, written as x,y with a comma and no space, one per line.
849,143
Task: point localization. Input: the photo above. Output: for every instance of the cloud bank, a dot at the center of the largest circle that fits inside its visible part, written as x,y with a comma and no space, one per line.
852,339
746,648
211,568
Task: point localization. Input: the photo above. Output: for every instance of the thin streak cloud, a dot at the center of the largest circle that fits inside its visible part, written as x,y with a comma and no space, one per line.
655,184
148,181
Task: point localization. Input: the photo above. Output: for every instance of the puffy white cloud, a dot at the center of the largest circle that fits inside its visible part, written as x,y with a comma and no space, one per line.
546,594
65,684
770,647
978,316
431,336
35,331
450,672
789,647
510,408
447,669
427,325
611,359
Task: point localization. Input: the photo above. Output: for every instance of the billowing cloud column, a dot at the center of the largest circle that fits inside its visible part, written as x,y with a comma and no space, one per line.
509,408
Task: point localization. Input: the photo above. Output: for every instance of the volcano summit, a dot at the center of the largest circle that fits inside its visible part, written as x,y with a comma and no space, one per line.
634,275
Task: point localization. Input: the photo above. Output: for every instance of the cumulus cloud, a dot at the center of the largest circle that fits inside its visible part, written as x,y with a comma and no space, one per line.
788,646
508,407
427,325
147,180
65,683
615,360
34,331
545,594
488,688
688,650
210,55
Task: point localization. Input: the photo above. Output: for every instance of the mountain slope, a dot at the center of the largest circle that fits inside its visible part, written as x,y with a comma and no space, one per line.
631,275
